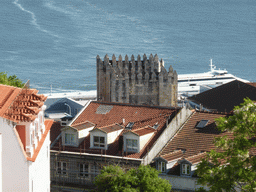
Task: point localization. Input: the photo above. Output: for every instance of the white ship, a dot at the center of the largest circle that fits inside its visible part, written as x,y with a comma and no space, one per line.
192,84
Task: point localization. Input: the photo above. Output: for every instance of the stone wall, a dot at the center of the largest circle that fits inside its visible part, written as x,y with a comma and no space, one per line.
141,81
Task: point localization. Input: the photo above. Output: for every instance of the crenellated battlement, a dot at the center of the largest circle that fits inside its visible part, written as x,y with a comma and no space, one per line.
141,81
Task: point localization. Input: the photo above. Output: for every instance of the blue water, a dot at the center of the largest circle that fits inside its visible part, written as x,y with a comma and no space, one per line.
55,42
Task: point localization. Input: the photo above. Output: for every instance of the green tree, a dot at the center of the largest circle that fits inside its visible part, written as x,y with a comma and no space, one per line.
11,80
144,178
232,166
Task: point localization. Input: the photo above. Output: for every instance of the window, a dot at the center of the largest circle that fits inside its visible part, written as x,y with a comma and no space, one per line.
83,170
129,125
98,141
62,168
63,123
202,123
70,139
185,169
95,169
131,145
161,166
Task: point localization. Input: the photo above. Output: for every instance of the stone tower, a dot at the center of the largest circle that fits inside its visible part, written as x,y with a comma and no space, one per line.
144,82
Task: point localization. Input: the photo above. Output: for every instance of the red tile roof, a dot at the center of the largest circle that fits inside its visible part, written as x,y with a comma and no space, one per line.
20,105
116,113
178,154
223,98
144,131
83,125
140,115
111,128
55,130
194,140
196,158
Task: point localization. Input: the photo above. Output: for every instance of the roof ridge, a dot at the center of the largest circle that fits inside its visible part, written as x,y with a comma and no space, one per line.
110,125
135,105
153,117
146,126
173,152
82,123
215,112
190,157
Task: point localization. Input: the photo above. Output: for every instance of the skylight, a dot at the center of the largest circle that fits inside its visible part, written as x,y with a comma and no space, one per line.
202,123
103,109
129,125
156,126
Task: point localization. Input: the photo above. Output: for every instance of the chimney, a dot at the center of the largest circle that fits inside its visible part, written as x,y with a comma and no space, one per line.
123,121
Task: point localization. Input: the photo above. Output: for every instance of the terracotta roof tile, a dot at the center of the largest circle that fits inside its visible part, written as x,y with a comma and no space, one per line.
196,158
196,140
55,131
19,105
142,116
144,131
173,155
111,128
83,125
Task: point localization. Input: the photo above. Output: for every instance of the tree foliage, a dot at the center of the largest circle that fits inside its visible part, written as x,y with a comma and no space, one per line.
11,80
231,167
144,178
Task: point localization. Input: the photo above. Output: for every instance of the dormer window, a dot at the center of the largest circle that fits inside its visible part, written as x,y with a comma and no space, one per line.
161,166
132,145
98,141
70,139
185,169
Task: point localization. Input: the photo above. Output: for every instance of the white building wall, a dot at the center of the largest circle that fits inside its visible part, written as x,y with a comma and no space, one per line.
39,171
1,163
113,135
15,175
144,139
168,133
170,164
84,133
194,167
34,131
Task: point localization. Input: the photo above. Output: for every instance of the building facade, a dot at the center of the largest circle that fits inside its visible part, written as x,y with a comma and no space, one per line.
179,159
144,82
111,134
24,141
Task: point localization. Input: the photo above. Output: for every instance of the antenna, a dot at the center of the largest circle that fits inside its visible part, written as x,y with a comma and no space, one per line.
212,67
211,64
